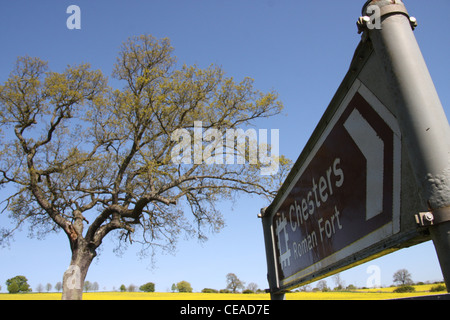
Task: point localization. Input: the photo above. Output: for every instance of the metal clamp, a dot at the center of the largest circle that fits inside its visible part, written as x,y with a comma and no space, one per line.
393,8
426,219
365,20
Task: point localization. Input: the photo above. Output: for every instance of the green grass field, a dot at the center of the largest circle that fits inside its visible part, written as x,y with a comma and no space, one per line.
361,294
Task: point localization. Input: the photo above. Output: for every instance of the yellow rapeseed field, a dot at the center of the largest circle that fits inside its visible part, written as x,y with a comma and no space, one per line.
361,294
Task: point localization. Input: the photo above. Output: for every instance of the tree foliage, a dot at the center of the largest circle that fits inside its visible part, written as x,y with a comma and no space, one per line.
402,277
184,286
92,160
252,287
404,288
58,286
13,288
322,286
234,283
148,287
18,284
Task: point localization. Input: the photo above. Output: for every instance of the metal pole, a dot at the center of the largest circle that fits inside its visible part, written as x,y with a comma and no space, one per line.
270,256
424,126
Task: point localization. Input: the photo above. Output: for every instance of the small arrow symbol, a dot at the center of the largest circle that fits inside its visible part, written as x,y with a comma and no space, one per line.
372,147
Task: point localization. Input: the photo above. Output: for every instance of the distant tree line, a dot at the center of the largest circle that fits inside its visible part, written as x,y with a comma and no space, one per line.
402,278
19,284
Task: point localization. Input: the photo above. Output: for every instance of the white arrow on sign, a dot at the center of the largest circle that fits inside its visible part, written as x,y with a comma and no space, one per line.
372,147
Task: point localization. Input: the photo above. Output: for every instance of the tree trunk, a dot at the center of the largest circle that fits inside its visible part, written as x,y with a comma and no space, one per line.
73,279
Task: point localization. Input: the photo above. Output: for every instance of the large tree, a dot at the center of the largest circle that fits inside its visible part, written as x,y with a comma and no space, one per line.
402,277
234,283
92,160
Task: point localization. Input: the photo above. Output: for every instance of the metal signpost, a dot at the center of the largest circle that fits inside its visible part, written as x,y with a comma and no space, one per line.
375,175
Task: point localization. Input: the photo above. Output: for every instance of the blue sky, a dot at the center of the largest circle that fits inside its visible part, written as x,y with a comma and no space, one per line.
302,49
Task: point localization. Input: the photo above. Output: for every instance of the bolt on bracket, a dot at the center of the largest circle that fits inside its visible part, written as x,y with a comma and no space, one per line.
426,219
262,212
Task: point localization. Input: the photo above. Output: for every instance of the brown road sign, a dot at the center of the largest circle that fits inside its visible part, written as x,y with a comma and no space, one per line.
372,177
345,197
